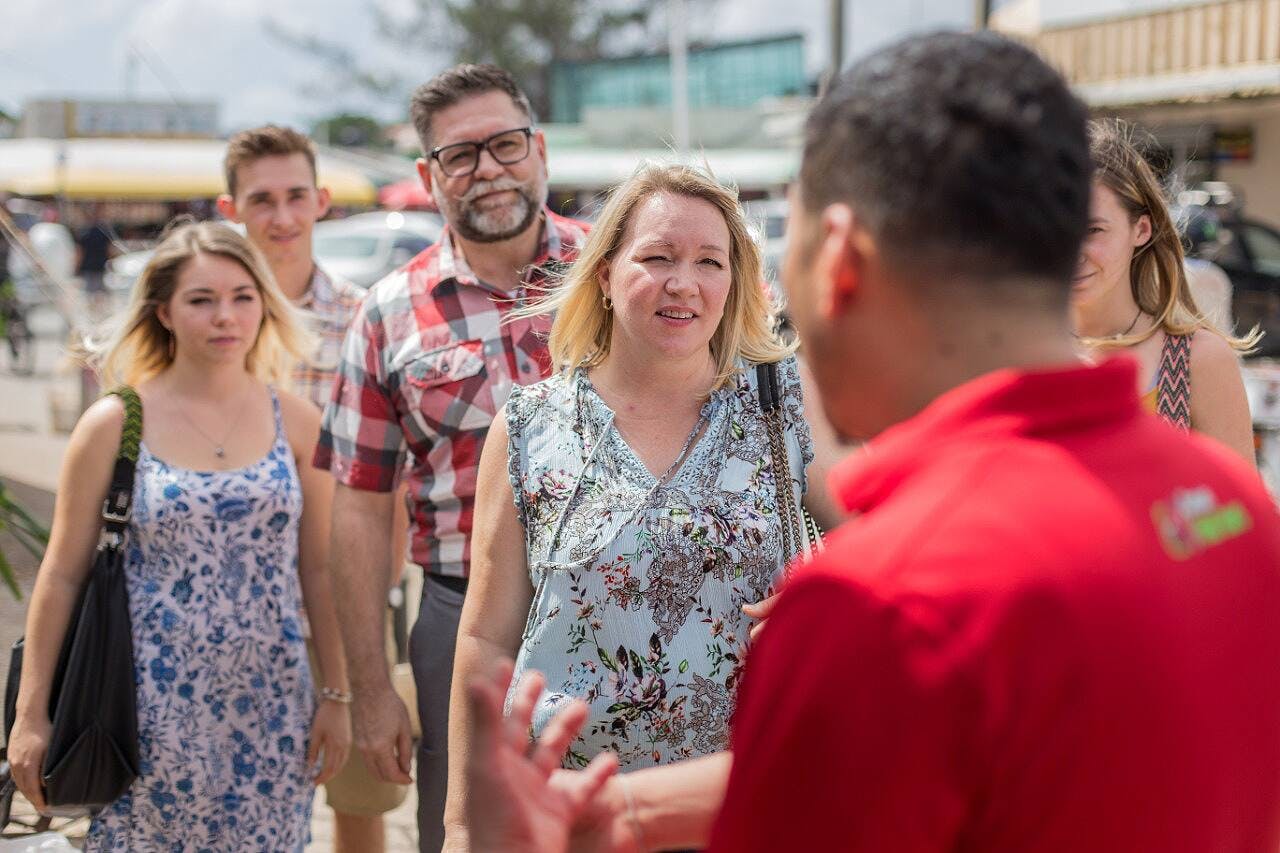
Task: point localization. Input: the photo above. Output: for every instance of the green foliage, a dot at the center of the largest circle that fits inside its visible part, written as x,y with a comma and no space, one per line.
350,131
25,530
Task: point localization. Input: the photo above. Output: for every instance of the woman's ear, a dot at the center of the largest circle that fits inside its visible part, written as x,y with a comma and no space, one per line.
1142,231
162,314
602,276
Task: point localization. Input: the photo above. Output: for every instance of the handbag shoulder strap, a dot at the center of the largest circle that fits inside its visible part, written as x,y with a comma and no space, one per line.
798,524
767,387
119,504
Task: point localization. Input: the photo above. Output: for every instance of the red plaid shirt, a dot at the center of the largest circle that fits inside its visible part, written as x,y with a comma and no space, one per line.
427,364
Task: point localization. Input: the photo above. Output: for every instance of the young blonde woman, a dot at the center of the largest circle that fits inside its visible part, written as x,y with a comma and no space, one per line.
1131,293
229,520
627,507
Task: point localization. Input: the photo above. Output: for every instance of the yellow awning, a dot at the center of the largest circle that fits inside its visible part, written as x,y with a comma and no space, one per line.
144,170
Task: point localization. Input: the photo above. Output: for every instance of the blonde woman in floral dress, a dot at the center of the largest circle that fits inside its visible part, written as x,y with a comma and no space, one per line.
627,507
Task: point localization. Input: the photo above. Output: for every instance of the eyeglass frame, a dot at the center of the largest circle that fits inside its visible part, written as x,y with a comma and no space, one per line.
483,145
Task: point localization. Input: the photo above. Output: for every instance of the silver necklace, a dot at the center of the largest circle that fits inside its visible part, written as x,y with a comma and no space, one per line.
684,451
219,447
1118,336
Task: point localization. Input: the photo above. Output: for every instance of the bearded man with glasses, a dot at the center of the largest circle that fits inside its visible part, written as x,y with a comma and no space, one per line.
428,362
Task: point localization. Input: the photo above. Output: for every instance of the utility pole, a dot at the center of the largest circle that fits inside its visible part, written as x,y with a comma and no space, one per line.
678,44
981,14
835,42
131,74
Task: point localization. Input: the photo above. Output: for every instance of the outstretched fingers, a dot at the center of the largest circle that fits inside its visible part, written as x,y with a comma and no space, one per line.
485,695
523,701
549,749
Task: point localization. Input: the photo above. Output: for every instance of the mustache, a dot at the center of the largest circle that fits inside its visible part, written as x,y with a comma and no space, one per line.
498,185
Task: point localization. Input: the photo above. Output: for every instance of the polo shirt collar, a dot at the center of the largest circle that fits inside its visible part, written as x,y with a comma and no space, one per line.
453,264
1004,403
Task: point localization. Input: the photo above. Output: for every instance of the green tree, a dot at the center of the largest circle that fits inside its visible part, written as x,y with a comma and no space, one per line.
350,130
523,36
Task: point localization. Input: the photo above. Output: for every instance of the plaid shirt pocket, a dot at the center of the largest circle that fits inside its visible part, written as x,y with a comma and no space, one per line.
447,389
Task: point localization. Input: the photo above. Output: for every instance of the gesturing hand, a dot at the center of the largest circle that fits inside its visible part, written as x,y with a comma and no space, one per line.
513,807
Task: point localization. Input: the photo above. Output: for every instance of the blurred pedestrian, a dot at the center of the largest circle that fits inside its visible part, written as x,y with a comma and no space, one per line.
272,191
1131,293
1051,626
430,359
94,248
628,507
228,521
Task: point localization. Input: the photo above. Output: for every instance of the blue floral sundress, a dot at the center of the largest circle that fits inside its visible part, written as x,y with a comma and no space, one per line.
224,690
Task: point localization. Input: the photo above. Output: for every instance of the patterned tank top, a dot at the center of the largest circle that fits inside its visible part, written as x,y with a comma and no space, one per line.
1170,395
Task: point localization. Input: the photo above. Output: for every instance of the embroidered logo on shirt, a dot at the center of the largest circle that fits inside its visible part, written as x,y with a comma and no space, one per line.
1192,520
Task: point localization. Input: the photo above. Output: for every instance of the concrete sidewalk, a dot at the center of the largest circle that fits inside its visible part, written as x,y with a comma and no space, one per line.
402,830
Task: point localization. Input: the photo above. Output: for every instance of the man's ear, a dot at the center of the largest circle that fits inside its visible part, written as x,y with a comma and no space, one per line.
540,141
424,175
840,262
227,207
324,198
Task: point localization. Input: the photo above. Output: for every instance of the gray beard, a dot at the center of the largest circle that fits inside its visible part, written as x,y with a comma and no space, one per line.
469,222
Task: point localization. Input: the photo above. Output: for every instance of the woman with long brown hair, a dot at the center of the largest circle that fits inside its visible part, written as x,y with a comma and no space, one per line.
1131,293
227,537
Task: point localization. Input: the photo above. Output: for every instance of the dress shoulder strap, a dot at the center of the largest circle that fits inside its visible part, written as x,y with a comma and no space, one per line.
277,415
1173,381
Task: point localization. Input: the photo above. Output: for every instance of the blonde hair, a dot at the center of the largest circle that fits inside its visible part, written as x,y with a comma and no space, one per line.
581,332
1157,273
140,347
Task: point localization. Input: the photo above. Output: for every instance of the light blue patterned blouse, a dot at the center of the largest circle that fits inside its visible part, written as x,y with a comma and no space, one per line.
638,591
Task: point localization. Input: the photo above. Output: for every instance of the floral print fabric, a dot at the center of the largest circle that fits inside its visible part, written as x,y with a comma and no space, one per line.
639,590
224,690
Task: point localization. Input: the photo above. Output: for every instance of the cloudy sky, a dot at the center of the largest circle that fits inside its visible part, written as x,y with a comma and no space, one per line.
220,49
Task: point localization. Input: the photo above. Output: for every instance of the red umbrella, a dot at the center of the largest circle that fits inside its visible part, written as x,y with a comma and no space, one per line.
406,194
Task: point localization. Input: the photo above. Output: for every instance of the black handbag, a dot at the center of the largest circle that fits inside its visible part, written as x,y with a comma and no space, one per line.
801,533
93,748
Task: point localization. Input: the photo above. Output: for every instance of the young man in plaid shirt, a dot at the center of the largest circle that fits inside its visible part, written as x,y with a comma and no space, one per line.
272,191
428,362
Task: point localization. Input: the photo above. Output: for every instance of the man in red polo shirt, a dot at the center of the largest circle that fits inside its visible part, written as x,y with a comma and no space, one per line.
1052,625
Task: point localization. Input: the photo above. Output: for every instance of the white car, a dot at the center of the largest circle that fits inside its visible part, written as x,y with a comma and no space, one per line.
365,247
361,248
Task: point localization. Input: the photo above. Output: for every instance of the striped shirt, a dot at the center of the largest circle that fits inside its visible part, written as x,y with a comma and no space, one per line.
427,364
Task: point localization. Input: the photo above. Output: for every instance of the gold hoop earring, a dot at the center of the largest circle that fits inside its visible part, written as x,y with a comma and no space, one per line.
608,303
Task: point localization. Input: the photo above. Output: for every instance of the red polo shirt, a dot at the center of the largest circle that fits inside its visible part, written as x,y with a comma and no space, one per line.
1054,627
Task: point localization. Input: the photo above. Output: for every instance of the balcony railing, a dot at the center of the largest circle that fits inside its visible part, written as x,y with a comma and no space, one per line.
1184,40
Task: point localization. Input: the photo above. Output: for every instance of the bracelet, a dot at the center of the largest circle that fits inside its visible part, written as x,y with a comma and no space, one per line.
333,694
632,816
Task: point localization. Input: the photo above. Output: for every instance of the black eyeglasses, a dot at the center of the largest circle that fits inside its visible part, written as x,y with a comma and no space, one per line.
462,158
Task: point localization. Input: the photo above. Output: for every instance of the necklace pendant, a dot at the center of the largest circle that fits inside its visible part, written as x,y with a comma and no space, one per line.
219,452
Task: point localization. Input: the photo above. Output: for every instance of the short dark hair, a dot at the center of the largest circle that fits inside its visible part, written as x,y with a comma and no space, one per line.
456,84
964,154
267,141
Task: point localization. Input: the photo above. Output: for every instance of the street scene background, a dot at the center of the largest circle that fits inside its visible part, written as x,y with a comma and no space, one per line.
114,116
